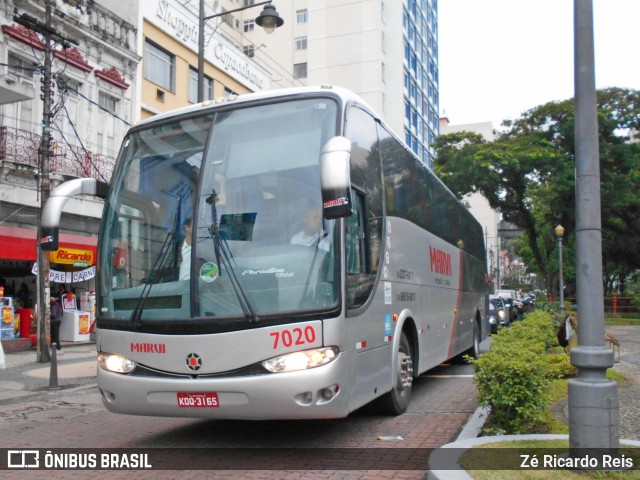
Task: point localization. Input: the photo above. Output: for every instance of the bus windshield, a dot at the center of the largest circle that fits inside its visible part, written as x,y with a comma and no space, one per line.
217,218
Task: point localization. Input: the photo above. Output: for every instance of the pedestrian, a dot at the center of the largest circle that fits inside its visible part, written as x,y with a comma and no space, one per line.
56,320
24,296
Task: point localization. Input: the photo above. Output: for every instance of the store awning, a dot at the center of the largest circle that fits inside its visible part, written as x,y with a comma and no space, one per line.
20,244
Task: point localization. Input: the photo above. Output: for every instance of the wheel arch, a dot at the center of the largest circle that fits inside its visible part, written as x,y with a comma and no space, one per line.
408,326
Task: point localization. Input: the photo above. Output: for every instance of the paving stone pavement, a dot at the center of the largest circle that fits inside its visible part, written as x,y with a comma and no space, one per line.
629,390
627,362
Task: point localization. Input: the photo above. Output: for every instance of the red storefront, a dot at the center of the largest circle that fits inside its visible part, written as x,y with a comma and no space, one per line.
76,257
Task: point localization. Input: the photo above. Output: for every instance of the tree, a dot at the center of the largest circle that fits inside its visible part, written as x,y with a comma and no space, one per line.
528,173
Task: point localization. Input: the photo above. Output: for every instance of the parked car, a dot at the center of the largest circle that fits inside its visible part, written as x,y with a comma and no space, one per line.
494,322
513,307
505,293
502,310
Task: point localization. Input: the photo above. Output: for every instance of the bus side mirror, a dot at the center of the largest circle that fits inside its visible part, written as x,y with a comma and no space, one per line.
50,217
335,179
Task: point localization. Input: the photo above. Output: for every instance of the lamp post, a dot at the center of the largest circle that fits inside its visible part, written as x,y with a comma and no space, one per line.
559,234
269,20
593,399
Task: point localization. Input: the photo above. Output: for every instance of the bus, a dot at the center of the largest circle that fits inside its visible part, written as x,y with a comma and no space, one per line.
276,255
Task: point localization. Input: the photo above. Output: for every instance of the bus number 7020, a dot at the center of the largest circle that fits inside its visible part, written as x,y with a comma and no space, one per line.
297,336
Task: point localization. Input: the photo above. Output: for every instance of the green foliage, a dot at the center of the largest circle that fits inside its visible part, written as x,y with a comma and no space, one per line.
514,377
633,287
537,327
560,366
528,173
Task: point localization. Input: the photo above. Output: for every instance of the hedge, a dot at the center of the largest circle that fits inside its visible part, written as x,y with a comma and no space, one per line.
513,378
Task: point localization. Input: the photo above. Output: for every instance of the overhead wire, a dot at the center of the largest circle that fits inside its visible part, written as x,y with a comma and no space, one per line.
86,152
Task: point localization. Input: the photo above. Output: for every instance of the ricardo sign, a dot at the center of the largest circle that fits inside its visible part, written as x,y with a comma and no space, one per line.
72,256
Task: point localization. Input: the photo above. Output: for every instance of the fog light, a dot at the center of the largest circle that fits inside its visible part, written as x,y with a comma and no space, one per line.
326,393
304,398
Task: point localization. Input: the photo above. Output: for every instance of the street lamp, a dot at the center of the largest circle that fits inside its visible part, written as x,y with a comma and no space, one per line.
269,20
559,234
593,398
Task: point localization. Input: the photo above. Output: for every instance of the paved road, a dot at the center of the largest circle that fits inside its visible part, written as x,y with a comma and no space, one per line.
443,400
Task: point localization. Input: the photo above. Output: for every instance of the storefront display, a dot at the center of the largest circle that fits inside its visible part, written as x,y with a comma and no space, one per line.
75,323
75,326
7,323
71,269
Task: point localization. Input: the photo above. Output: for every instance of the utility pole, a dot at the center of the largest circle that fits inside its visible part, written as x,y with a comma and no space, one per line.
44,152
593,399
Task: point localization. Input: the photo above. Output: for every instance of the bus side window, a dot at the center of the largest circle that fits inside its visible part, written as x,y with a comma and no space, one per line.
356,241
355,237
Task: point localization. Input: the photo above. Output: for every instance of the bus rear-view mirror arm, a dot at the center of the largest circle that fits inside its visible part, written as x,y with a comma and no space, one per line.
335,178
52,211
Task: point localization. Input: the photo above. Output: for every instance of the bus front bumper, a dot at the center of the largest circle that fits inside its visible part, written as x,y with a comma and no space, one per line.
313,393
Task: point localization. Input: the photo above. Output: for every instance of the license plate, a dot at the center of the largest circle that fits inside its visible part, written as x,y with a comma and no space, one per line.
198,400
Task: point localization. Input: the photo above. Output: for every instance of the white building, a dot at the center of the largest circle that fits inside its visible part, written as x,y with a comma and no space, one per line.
477,204
386,51
93,103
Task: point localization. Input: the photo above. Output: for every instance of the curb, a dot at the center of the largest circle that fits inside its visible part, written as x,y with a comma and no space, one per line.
468,438
473,427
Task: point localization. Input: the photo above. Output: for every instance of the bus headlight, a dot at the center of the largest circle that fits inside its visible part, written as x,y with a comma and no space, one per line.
115,363
292,362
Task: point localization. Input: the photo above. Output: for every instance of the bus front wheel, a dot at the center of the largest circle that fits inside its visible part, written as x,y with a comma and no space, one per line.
396,401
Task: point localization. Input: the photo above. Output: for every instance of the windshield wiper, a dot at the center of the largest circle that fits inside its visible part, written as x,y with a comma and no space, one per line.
221,247
165,253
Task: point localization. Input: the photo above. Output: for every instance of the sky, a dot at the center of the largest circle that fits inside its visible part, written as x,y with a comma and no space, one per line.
499,58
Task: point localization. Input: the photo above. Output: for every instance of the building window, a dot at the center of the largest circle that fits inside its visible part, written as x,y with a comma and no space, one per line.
20,67
300,43
249,50
105,125
302,16
193,86
107,102
69,86
159,66
249,25
249,3
228,92
300,70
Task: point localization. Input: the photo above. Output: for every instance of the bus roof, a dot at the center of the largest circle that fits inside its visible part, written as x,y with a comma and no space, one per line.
343,93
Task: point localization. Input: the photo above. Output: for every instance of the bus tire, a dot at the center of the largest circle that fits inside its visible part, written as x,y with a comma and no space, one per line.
396,401
474,350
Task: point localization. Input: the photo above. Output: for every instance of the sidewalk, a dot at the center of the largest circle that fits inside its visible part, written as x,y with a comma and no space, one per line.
24,377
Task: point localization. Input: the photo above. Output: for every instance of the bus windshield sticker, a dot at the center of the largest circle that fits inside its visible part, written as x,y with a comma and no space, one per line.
209,272
237,226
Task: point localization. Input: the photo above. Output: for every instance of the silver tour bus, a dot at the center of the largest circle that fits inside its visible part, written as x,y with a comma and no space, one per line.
276,255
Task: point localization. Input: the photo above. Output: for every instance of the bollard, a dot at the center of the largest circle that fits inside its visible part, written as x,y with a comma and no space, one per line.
53,375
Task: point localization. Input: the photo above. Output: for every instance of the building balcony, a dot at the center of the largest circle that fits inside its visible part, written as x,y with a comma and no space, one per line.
20,148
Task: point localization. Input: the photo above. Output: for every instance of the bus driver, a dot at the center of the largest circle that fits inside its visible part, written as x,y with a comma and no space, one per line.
313,234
